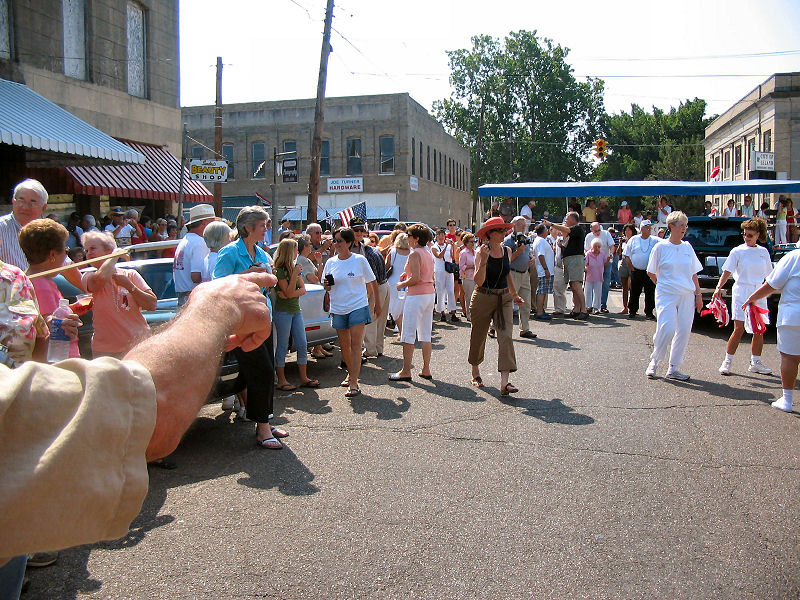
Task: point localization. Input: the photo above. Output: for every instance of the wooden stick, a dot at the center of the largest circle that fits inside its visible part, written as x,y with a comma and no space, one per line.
115,254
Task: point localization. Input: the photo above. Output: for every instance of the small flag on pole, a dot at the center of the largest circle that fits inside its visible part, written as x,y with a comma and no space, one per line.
264,199
357,210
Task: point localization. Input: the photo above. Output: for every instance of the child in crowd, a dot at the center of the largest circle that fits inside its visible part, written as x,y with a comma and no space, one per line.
596,262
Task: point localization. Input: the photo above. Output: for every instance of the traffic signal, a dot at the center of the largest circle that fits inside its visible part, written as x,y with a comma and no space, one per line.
600,148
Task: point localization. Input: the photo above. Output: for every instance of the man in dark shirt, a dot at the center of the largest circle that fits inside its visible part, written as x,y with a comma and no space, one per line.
572,258
378,303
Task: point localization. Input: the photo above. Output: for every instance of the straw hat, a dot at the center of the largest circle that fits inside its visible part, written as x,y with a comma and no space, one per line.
493,223
201,212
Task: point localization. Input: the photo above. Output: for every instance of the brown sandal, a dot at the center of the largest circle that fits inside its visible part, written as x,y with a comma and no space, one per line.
508,389
477,381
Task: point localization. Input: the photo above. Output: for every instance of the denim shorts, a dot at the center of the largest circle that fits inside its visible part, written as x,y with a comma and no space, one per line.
359,316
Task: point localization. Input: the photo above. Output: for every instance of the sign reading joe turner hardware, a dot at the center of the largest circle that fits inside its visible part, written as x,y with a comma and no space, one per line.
208,170
345,184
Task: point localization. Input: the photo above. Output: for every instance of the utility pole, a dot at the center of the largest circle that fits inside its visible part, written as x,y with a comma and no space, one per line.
183,170
319,118
218,136
477,169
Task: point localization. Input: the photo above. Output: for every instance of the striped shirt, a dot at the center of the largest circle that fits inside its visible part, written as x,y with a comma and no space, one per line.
10,251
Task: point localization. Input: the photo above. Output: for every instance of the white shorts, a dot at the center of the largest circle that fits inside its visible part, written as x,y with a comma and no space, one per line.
739,294
418,318
789,339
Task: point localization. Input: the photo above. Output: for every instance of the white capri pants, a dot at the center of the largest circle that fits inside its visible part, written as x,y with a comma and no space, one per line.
675,314
417,318
395,304
445,288
469,288
780,232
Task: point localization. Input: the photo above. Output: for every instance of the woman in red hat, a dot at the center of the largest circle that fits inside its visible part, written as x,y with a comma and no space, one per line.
493,301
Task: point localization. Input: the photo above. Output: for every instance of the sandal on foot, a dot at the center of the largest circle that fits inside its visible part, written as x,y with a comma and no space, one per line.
345,383
286,387
398,377
269,444
425,376
311,383
352,392
477,381
279,433
508,389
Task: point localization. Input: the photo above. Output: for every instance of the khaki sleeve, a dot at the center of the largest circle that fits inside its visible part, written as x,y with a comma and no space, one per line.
72,452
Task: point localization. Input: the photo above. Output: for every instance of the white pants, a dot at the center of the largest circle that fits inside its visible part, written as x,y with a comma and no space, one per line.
780,232
675,314
417,318
445,289
559,291
594,293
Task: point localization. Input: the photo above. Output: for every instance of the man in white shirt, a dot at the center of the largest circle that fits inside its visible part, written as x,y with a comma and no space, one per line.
637,254
527,212
607,248
545,267
662,212
120,228
190,255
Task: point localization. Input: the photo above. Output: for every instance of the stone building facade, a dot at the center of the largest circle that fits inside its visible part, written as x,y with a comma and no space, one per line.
765,120
398,154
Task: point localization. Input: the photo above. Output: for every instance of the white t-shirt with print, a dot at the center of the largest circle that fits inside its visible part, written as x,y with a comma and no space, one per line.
786,277
674,265
190,257
541,247
350,279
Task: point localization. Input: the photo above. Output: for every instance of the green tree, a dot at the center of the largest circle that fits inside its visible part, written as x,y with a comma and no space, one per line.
539,121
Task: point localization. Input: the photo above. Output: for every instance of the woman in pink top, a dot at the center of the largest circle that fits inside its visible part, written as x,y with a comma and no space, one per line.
417,280
466,268
119,297
596,261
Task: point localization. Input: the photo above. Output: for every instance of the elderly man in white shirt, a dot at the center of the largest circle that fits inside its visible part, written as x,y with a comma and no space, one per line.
190,255
608,247
637,254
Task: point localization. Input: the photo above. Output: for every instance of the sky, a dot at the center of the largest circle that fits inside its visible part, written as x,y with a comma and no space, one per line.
648,53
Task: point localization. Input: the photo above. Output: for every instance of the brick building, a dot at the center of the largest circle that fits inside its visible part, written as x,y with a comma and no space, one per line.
398,158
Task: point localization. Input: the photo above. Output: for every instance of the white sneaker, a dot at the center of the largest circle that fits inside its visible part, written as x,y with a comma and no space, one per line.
781,404
759,367
651,369
675,374
227,403
725,367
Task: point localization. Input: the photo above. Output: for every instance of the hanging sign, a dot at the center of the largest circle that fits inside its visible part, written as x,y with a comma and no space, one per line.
208,170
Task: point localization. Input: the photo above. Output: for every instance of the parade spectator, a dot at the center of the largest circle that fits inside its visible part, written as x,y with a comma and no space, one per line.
603,212
256,363
615,282
545,265
596,261
172,234
492,303
44,243
386,243
572,257
216,235
119,296
267,241
762,212
662,210
349,279
443,251
707,208
494,210
781,223
451,233
395,265
119,227
285,225
637,255
320,249
786,279
147,224
74,230
527,212
608,247
373,240
624,265
791,221
507,210
466,268
624,214
747,207
311,273
138,236
556,241
673,268
89,223
520,251
375,331
190,255
749,264
417,322
76,254
287,316
28,202
159,231
590,212
637,220
731,211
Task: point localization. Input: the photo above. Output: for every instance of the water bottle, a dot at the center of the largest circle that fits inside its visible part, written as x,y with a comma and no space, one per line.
58,347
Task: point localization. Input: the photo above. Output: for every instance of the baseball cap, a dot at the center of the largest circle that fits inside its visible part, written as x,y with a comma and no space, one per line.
645,223
357,222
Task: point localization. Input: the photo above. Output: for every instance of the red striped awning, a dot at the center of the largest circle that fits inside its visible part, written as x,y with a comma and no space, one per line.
157,179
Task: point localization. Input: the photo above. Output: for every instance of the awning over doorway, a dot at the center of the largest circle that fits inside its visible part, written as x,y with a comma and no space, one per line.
157,179
52,136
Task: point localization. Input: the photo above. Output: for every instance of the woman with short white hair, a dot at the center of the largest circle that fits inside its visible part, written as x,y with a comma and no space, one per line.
673,267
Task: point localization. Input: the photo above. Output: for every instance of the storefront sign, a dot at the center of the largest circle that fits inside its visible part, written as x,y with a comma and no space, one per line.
208,170
413,184
289,170
762,161
345,184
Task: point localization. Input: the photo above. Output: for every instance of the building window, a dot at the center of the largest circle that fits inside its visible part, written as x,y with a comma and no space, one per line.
737,160
354,156
708,170
73,14
413,156
726,165
325,158
258,157
768,141
751,147
5,31
434,165
387,154
227,154
420,159
450,172
136,50
290,146
197,153
428,160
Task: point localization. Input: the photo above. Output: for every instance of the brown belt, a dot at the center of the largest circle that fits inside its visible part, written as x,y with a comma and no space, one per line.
491,292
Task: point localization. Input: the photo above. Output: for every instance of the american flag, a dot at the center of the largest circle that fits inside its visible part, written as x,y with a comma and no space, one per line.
357,210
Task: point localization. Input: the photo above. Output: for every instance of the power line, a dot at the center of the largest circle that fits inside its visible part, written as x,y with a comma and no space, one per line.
678,58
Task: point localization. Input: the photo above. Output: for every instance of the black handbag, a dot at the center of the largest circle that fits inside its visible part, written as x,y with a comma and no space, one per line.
451,267
390,268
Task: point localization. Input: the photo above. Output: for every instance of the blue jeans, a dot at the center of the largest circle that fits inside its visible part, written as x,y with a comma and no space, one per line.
285,324
615,270
606,286
11,575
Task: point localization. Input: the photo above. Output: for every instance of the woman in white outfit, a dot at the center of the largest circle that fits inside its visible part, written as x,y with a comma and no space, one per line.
396,260
673,267
442,250
748,264
785,277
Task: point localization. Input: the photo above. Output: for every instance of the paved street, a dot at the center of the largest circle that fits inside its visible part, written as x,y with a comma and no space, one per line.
592,482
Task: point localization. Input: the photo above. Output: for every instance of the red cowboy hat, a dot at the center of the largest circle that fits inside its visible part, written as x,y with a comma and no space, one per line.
493,223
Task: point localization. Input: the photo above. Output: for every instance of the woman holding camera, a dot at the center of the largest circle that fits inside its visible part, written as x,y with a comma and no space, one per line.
349,279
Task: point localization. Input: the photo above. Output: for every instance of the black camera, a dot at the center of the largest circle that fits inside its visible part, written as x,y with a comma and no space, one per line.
521,239
329,278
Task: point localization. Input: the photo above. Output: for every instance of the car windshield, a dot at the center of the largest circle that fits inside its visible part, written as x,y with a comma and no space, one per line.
722,235
159,277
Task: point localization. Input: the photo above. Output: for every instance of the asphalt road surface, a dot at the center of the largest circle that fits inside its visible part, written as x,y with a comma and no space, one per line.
592,482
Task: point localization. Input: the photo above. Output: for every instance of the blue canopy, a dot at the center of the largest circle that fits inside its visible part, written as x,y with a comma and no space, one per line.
582,189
